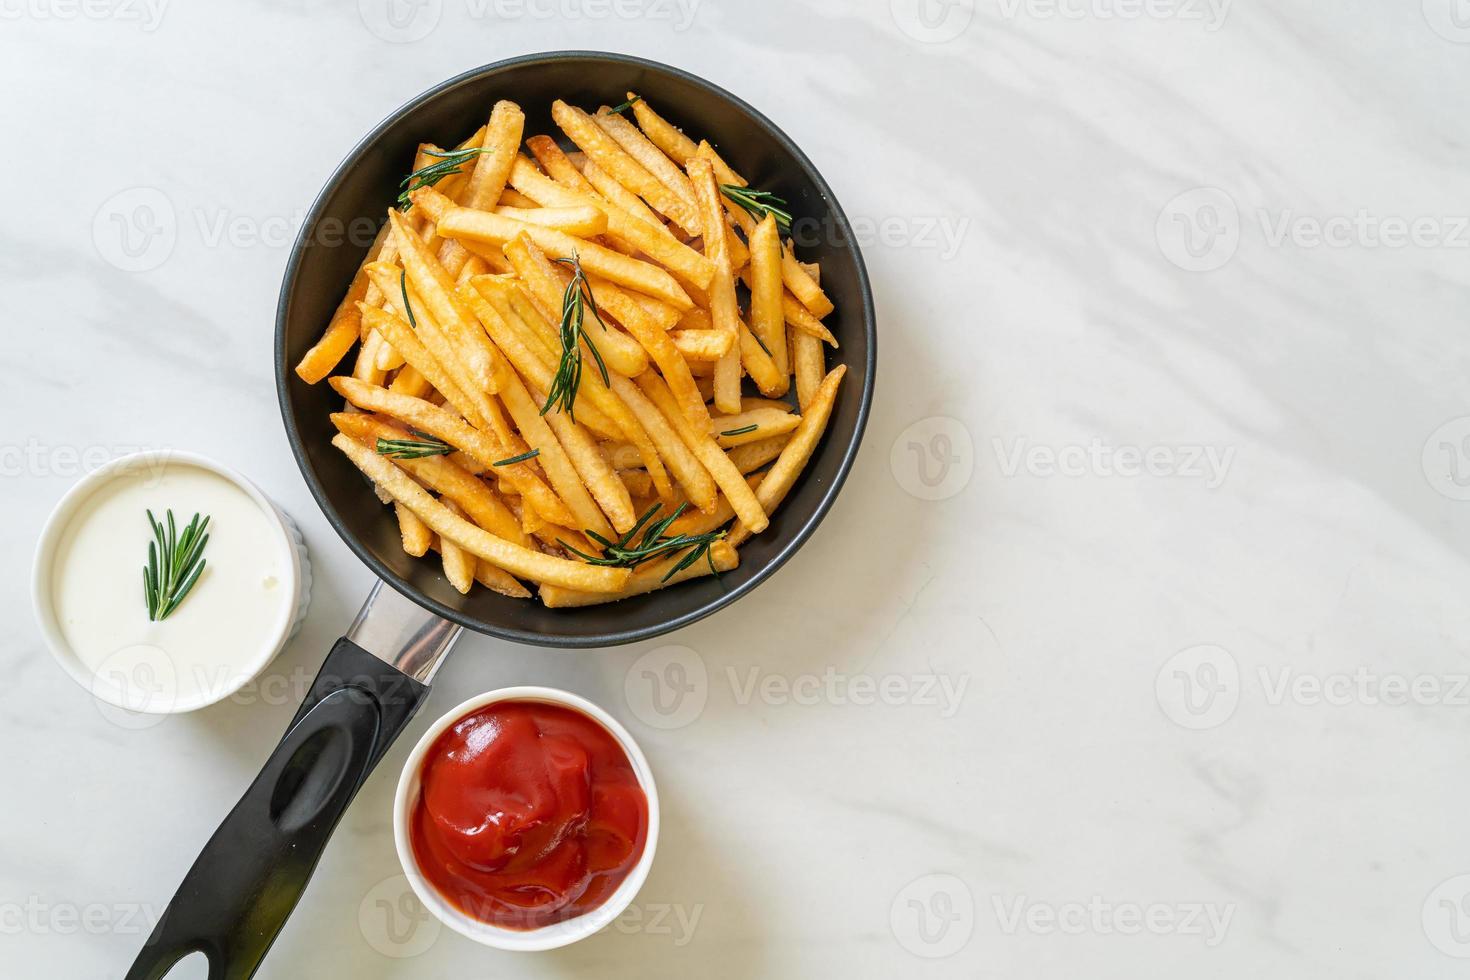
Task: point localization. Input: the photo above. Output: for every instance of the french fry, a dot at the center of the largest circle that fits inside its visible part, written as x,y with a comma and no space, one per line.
793,459
709,454
806,358
546,283
607,414
440,474
409,381
388,358
723,175
458,313
615,194
459,565
435,421
608,400
687,469
560,471
345,328
698,522
432,283
724,309
758,363
623,308
766,319
753,455
492,578
636,483
649,156
594,470
415,533
366,369
702,345
662,133
432,354
522,347
492,169
695,319
647,236
511,197
603,150
621,455
497,229
435,205
558,165
763,423
521,562
661,313
583,221
645,579
803,286
801,318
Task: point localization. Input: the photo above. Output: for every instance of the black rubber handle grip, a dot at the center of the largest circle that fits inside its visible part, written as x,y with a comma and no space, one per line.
250,875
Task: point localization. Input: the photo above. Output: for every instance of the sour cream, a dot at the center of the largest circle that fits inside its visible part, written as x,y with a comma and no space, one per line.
229,626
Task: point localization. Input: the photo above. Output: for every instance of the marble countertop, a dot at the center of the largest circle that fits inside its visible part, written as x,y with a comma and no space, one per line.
1135,645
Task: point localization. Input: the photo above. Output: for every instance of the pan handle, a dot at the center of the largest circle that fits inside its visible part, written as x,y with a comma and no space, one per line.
237,896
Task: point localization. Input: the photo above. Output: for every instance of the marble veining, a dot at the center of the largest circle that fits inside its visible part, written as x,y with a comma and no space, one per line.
1136,643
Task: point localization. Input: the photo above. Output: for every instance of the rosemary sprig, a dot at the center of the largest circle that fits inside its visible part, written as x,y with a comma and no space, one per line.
417,448
740,431
175,563
517,459
624,553
427,176
758,204
568,378
757,338
407,308
620,109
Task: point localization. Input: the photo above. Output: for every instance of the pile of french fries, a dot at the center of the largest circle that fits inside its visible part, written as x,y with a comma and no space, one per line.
461,315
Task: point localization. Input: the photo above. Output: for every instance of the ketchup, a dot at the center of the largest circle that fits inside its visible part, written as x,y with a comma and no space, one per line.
530,814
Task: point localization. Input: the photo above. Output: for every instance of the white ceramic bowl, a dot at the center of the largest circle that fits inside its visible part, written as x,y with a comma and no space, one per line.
285,539
557,934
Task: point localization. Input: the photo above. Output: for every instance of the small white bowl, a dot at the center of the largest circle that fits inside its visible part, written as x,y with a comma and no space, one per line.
557,934
286,539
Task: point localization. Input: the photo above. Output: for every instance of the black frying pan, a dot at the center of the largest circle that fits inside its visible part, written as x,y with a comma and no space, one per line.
236,897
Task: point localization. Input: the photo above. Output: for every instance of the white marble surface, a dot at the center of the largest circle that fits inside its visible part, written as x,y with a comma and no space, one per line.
1037,797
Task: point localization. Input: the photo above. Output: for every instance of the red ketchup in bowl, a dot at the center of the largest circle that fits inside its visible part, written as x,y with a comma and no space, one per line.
529,814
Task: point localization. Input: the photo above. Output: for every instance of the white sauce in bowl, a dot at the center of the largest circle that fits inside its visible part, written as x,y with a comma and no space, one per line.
226,629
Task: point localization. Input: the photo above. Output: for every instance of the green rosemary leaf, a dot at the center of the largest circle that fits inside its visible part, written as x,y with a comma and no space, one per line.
175,562
655,542
427,176
620,109
407,307
740,431
576,300
412,448
760,203
517,459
